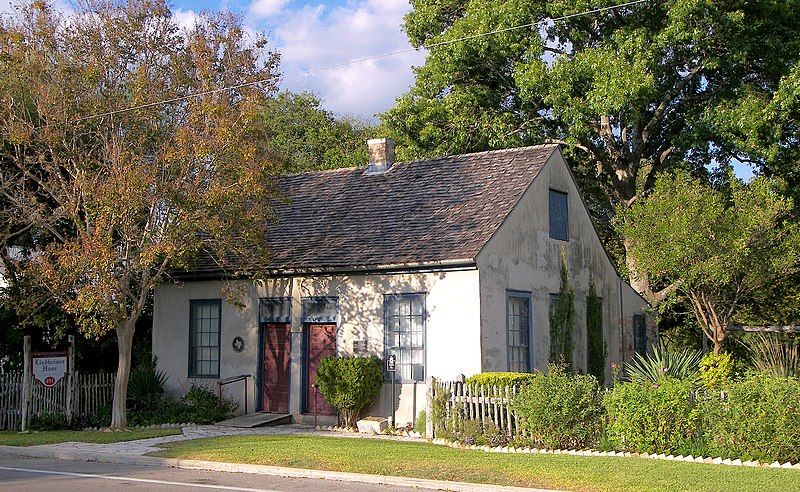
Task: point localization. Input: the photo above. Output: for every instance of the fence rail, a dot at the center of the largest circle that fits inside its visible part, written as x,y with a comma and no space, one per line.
483,403
91,392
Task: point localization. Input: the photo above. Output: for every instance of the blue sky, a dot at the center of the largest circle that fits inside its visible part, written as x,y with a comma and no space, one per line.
311,34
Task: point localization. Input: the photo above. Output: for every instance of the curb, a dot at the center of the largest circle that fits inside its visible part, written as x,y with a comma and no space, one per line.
616,454
277,471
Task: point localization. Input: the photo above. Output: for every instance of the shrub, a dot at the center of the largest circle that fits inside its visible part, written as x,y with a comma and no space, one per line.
350,384
146,385
201,406
48,422
658,417
596,347
561,410
501,379
663,362
715,370
759,418
776,355
421,422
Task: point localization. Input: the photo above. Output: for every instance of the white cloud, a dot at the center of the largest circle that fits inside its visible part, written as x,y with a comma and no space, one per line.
316,36
261,9
185,19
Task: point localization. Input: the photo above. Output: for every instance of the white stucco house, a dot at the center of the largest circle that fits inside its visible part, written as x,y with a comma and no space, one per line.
448,263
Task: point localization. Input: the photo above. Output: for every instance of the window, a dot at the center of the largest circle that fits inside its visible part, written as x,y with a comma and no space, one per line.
640,335
204,328
519,331
404,332
559,216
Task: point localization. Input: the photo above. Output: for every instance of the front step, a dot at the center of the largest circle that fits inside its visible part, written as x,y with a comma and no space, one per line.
257,420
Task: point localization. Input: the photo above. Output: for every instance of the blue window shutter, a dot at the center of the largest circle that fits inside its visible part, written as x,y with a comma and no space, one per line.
559,215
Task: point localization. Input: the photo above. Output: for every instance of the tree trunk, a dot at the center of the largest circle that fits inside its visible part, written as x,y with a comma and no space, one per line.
119,418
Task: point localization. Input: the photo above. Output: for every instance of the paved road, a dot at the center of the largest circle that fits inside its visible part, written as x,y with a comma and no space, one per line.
36,474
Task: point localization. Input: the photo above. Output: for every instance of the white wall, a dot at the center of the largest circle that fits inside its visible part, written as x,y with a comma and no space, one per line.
452,328
522,256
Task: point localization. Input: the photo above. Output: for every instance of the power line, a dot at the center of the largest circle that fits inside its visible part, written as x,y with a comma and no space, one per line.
358,60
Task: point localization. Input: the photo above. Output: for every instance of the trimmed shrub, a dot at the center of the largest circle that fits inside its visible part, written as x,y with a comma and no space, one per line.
350,384
662,363
561,410
759,418
715,370
501,379
658,417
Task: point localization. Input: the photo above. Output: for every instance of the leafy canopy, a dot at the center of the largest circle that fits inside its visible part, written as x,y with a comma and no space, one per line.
719,249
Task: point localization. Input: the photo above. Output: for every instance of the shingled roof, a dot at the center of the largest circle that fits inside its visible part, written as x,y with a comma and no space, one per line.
435,211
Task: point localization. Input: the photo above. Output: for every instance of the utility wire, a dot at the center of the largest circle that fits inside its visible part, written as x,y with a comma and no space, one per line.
358,60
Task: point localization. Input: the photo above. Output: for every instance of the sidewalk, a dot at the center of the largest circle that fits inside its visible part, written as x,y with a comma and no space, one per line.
132,453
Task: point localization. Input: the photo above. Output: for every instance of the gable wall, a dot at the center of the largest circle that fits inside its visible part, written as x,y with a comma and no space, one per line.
522,256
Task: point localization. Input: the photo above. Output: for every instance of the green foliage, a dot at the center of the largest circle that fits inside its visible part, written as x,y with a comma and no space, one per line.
49,422
199,405
663,362
561,410
421,422
599,82
514,379
146,385
715,370
775,355
717,248
759,418
562,319
439,415
596,349
307,137
350,384
658,417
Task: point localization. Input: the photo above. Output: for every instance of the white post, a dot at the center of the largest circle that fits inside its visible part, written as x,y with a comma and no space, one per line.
26,382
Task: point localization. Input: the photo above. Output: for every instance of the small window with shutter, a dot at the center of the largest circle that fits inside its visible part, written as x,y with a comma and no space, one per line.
559,215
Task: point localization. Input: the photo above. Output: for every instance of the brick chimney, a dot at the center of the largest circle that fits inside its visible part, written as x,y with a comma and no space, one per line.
381,155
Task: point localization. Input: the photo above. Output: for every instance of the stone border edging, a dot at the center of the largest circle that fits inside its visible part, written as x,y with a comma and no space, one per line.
278,471
615,454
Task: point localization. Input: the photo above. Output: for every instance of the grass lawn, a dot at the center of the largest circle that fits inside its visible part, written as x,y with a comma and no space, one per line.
13,438
422,460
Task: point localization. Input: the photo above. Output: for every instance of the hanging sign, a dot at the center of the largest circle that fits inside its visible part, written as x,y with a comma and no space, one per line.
49,367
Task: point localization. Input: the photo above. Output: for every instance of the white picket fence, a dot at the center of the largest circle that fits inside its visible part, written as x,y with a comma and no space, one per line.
92,391
484,403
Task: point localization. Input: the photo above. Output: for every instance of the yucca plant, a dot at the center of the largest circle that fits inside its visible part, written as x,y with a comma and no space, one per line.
146,384
663,362
775,355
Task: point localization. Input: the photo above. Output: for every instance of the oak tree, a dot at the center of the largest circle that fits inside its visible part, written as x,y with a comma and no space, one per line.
630,91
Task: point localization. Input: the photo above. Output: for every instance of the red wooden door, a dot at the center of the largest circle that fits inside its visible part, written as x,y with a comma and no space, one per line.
277,351
321,342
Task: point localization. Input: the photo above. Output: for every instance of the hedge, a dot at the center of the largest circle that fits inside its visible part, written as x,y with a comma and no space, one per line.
501,379
351,384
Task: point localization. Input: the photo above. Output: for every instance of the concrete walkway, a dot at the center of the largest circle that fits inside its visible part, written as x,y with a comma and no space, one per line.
132,453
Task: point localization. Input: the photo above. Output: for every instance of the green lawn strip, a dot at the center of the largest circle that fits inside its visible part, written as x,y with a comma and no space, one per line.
12,438
422,460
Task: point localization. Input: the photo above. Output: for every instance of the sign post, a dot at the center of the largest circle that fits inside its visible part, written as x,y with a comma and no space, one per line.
391,368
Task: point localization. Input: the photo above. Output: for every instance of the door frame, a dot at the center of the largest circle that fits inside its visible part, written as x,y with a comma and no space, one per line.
260,379
304,403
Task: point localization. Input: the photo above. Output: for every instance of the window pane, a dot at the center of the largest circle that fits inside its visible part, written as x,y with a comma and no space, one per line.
204,338
518,328
405,333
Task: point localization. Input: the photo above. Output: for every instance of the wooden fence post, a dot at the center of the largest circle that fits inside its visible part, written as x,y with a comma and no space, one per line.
429,407
70,407
26,382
